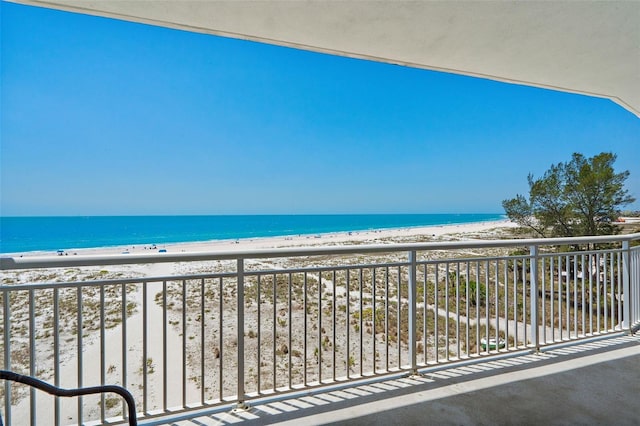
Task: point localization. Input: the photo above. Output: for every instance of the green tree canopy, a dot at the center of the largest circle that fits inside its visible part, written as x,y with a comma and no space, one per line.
580,197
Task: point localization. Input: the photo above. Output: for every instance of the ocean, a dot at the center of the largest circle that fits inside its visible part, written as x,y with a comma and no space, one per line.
24,234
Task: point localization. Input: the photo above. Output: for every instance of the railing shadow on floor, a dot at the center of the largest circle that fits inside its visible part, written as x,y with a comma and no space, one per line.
344,402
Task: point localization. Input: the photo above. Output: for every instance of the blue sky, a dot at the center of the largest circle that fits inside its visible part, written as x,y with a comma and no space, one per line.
106,117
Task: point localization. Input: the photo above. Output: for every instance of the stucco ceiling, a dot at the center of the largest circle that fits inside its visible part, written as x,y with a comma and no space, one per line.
590,47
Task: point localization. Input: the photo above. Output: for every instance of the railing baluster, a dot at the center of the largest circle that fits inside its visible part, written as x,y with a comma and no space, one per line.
425,333
458,310
412,313
79,353
56,352
506,304
347,322
333,325
259,337
543,299
32,355
583,312
373,318
598,258
467,312
240,332
184,344
435,313
560,297
533,252
605,313
551,299
6,295
202,342
145,407
591,260
487,333
320,327
619,287
612,282
446,303
626,284
478,304
575,296
289,341
103,366
567,293
165,366
497,305
631,284
123,314
516,302
304,343
524,300
221,350
274,332
398,318
361,324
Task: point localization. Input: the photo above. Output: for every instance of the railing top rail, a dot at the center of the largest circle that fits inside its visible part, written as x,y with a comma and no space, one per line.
34,262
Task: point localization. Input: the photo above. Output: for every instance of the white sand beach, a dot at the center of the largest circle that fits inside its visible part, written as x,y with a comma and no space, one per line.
406,235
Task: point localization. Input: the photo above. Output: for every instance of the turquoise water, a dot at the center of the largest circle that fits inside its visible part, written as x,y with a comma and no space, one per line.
23,234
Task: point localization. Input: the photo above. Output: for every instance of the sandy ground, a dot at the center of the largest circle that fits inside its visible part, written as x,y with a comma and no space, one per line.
113,348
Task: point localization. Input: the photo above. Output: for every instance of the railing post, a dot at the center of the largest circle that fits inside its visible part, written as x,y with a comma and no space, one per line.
7,354
626,286
240,330
412,311
535,338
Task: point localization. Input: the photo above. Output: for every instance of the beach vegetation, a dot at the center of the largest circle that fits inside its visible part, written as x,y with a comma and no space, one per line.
150,366
576,198
367,315
474,289
111,402
326,344
282,350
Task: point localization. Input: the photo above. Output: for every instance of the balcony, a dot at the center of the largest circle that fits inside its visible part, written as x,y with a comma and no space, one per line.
327,333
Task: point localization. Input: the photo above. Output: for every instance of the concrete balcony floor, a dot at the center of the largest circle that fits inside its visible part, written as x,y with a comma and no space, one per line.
593,382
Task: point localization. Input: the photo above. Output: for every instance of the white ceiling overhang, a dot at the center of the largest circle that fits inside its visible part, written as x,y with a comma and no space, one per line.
589,47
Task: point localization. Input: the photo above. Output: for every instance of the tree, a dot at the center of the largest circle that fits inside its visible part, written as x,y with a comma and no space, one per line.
580,197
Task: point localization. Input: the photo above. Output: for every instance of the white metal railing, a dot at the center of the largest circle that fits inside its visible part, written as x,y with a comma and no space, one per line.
232,326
